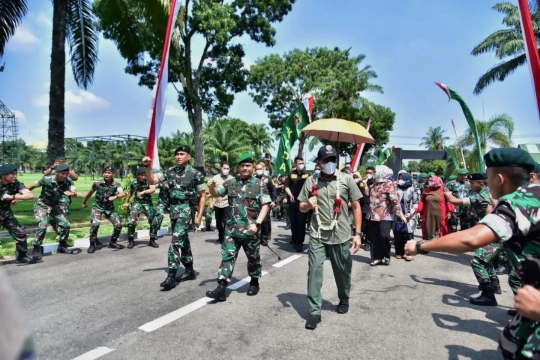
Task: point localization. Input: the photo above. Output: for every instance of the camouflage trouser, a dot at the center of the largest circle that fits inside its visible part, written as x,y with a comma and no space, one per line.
514,280
207,217
64,207
42,213
229,254
520,339
180,248
482,262
15,229
136,210
159,215
112,216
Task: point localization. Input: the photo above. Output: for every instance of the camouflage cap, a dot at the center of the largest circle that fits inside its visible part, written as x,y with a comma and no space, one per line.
183,148
62,167
477,176
246,158
423,175
510,157
8,169
452,177
463,172
108,168
141,171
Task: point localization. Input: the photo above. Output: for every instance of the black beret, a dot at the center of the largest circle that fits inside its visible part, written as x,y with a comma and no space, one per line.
8,168
108,168
510,157
477,176
183,148
141,170
62,167
536,168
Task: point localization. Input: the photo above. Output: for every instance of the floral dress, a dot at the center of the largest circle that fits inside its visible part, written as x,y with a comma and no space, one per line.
409,200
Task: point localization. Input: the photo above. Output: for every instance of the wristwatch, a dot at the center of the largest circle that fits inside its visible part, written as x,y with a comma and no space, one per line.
258,225
419,248
359,234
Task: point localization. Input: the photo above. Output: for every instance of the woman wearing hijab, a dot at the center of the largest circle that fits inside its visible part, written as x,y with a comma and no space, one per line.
435,210
408,198
384,206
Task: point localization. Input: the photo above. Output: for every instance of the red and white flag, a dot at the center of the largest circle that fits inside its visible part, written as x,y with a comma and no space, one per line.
308,104
454,126
359,149
160,99
531,47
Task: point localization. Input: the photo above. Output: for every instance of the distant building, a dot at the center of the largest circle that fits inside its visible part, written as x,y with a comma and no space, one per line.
533,149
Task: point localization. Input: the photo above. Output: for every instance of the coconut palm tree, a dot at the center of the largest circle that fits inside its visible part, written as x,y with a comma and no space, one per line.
507,44
225,143
258,136
434,139
74,22
495,132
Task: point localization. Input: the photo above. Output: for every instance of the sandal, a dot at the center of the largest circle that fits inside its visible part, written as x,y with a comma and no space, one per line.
399,257
408,258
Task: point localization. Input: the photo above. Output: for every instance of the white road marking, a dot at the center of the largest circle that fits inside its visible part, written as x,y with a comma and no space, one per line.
286,261
94,354
183,311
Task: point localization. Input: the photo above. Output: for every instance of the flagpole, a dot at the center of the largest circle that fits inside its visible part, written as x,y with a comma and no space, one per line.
460,149
531,47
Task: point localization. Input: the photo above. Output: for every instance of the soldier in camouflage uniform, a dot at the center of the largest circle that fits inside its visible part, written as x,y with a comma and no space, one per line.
51,205
107,190
280,196
162,205
185,184
266,228
208,213
250,203
515,223
12,190
142,204
460,189
478,206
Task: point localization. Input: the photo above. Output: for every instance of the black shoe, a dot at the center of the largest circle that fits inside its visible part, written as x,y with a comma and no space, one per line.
153,243
98,243
209,228
114,245
287,227
299,247
22,258
502,270
170,281
512,312
313,321
386,261
219,293
91,248
486,298
189,274
496,284
376,262
343,307
253,287
63,249
131,244
36,255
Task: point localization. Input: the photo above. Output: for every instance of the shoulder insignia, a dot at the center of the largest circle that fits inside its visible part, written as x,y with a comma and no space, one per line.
294,176
266,180
305,176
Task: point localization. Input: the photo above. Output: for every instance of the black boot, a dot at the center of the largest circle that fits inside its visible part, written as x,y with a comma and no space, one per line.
92,247
131,243
114,245
208,228
219,293
189,274
313,321
496,284
63,248
22,258
253,287
37,253
98,243
153,243
170,281
487,297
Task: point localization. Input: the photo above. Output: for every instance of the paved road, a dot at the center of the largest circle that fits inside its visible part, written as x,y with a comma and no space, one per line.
94,304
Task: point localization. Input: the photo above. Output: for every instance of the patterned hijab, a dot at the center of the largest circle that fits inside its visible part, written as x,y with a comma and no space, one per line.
383,173
437,182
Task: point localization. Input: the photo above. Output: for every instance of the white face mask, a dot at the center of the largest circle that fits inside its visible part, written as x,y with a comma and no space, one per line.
259,172
266,172
300,167
431,183
225,172
369,176
356,180
317,172
401,182
329,168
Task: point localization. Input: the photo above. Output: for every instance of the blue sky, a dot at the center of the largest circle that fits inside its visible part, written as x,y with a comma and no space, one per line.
410,44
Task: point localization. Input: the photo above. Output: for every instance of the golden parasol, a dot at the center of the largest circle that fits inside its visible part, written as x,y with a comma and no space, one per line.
339,130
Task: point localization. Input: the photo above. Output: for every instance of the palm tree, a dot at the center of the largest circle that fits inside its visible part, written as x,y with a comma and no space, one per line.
258,136
506,43
225,143
434,139
495,132
73,21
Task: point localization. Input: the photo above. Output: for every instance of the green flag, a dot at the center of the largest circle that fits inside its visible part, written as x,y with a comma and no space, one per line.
452,156
291,132
385,155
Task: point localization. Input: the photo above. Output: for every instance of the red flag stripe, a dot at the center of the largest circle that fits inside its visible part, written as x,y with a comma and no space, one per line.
359,149
531,47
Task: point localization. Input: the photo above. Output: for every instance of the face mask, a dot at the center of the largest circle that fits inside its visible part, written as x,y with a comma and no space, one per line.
267,172
260,172
356,180
225,172
317,172
369,176
431,183
401,182
300,167
329,168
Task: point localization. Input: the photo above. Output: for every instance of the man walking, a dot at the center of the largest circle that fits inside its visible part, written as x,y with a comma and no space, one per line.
266,227
220,204
249,201
329,194
293,186
460,189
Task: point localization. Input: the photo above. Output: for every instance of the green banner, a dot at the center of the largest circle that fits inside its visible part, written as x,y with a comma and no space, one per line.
452,156
291,132
385,155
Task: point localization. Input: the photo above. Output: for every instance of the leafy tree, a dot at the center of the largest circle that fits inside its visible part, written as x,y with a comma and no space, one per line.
436,166
258,136
413,166
206,84
434,139
279,84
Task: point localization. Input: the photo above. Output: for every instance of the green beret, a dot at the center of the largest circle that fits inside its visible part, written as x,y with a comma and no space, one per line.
8,168
431,173
536,168
510,157
423,175
62,167
246,158
477,176
452,177
463,172
141,171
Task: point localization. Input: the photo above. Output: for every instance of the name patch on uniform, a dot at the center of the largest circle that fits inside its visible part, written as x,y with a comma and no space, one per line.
305,176
266,181
294,176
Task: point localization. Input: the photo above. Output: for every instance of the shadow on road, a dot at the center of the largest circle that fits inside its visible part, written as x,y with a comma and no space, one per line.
470,326
456,352
299,303
462,289
463,259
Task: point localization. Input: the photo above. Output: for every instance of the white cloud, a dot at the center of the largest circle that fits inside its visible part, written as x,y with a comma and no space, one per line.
22,40
19,115
171,110
44,19
80,101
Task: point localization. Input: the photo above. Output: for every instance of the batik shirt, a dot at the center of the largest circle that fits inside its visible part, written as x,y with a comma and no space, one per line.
384,201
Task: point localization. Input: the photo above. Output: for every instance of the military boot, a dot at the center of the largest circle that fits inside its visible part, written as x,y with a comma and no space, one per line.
114,245
170,281
63,248
153,243
92,247
219,293
189,274
98,243
487,297
37,253
22,258
131,243
496,284
208,227
253,287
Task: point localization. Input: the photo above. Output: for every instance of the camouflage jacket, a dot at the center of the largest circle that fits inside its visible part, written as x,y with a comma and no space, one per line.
103,192
136,187
459,191
52,191
163,196
184,184
10,189
280,192
246,197
479,203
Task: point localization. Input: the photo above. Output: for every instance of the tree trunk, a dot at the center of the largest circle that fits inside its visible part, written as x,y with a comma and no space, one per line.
301,143
55,147
197,125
